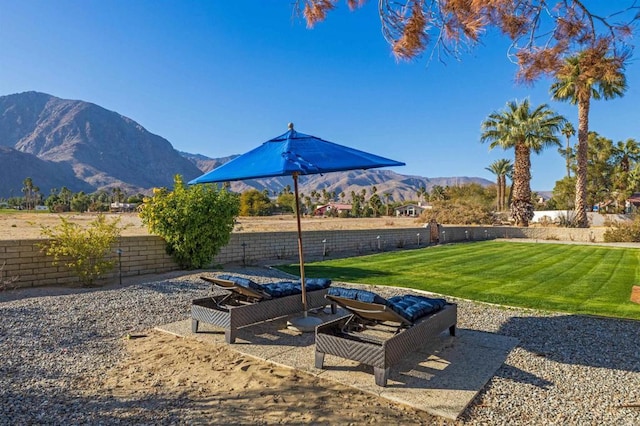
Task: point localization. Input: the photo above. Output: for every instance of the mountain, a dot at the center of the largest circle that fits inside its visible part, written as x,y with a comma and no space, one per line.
80,145
203,163
94,147
53,175
399,187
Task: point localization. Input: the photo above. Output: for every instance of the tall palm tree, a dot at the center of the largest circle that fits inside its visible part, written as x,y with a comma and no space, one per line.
590,74
525,130
421,192
28,191
567,130
387,196
501,168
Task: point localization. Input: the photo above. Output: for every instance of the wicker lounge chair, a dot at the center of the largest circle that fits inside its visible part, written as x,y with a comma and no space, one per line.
380,332
245,302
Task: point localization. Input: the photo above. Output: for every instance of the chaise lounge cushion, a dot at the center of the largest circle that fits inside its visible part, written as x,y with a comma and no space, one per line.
281,288
414,307
287,288
313,284
359,295
408,306
243,282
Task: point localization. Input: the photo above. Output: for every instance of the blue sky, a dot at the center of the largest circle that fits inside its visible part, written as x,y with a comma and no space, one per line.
219,77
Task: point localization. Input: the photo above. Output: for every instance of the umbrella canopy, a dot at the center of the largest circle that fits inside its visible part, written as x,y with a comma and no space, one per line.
293,154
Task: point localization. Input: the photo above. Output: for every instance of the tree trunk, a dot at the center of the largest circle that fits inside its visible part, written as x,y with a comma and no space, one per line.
567,158
521,206
581,218
500,194
503,201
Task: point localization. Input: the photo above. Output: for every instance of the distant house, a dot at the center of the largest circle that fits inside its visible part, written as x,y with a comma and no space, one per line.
410,210
42,208
122,207
632,203
329,209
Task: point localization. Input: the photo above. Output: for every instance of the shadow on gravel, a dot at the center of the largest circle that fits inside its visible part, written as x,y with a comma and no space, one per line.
513,373
40,406
580,340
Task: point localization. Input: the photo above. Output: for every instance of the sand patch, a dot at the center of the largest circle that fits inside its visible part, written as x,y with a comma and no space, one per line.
220,386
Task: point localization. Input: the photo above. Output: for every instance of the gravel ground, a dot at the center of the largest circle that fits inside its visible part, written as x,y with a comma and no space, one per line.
566,369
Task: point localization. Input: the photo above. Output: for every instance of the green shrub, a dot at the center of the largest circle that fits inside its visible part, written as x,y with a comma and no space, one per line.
255,203
195,221
84,250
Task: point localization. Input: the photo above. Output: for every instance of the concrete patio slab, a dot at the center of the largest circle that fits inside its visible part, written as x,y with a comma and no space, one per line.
442,377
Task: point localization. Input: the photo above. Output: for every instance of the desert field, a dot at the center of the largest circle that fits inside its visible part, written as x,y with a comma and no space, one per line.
16,225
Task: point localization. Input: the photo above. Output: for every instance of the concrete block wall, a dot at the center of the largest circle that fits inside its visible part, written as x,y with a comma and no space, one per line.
147,255
24,261
259,246
450,234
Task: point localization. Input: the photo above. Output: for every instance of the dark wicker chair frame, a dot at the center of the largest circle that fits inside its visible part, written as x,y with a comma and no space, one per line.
241,306
343,337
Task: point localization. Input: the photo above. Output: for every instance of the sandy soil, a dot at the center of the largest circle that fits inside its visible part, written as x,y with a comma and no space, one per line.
23,225
228,388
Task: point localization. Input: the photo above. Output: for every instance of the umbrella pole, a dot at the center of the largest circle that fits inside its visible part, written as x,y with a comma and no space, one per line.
300,247
306,323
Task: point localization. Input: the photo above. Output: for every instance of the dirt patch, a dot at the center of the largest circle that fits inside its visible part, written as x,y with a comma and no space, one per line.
224,387
23,225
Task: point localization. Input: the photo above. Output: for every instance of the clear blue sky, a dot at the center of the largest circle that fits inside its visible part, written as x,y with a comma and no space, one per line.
219,77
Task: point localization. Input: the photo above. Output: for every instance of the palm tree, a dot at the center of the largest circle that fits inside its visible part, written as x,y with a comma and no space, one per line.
591,73
65,195
524,130
501,168
387,196
625,153
438,193
422,192
28,191
567,130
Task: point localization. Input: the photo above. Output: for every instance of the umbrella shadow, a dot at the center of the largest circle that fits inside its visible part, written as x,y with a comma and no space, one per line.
578,340
341,273
516,374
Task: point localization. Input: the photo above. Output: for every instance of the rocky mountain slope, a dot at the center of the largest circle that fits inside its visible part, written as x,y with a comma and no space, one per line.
100,148
80,145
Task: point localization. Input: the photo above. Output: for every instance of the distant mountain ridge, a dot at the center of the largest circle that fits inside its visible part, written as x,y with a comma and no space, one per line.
101,148
80,145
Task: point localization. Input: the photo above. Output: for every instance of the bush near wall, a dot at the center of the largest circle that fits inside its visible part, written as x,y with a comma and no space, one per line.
623,232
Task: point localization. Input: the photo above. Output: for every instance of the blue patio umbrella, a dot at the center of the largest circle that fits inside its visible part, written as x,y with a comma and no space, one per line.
294,154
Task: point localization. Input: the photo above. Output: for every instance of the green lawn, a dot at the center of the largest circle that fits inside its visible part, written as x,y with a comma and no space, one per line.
580,279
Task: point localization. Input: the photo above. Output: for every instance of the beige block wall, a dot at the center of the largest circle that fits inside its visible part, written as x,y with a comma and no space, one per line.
147,255
25,262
